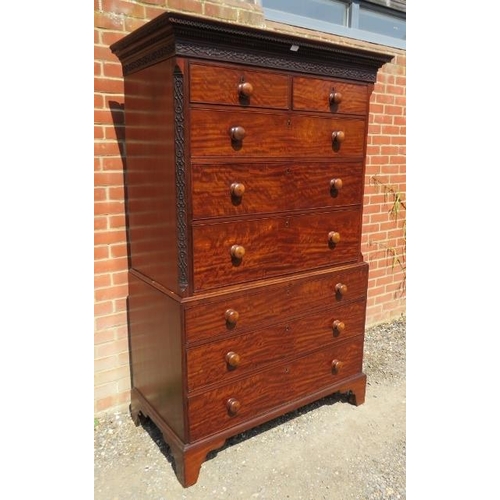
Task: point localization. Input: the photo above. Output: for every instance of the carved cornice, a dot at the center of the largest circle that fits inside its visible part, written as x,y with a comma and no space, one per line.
180,35
274,61
162,52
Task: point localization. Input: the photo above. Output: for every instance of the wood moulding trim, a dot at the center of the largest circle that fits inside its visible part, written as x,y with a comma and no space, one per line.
180,180
171,35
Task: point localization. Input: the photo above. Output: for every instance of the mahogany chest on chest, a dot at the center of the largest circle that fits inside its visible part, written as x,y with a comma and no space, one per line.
245,154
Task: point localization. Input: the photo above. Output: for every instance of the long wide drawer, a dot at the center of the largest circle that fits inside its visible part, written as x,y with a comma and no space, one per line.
225,359
226,189
231,404
233,252
278,134
248,309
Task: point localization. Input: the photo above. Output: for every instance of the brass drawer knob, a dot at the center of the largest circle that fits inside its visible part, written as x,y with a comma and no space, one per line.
237,189
336,184
232,316
335,97
237,133
337,366
338,136
233,359
333,237
341,289
338,326
237,251
245,89
233,406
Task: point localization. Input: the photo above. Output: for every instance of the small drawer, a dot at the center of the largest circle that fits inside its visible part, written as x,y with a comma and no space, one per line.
242,400
240,86
251,188
233,134
228,253
247,309
225,359
329,96
328,137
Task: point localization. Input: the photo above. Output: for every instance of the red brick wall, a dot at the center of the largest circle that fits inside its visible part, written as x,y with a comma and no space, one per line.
384,226
383,236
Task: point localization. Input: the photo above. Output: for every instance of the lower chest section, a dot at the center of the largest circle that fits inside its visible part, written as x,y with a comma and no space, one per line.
250,352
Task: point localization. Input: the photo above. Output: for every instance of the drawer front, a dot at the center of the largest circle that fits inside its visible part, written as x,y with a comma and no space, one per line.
250,188
223,360
238,86
272,247
312,94
263,306
210,412
274,135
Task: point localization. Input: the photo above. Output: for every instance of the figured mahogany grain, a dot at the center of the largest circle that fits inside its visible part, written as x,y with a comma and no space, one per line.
264,390
261,307
216,84
278,134
243,159
273,187
273,246
207,364
313,94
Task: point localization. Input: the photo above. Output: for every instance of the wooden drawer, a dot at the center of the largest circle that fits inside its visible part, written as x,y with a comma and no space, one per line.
264,306
278,134
215,84
313,94
272,246
223,360
256,394
273,187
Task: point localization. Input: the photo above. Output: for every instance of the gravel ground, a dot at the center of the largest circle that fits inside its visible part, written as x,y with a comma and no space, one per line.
326,450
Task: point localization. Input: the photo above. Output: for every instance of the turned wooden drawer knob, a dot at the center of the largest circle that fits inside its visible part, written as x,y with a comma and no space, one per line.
336,184
232,316
237,251
237,189
237,133
337,366
341,288
232,359
338,136
245,89
233,406
335,97
333,237
338,326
